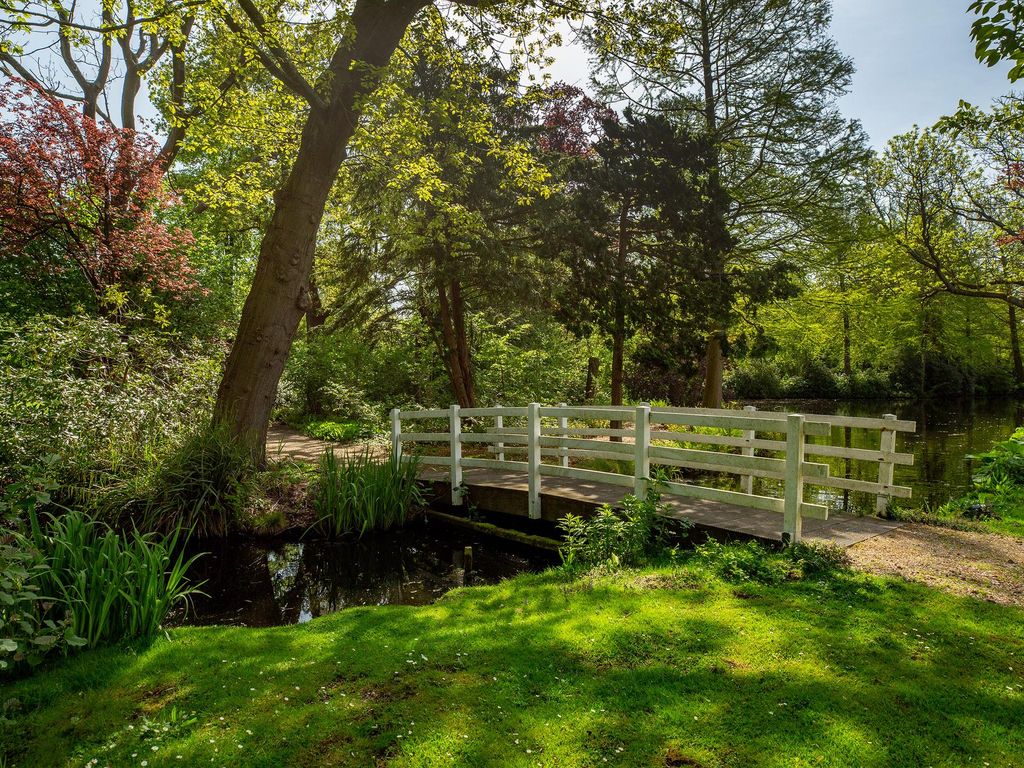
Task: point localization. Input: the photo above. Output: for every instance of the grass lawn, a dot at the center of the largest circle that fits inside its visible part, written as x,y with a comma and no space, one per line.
1006,506
669,666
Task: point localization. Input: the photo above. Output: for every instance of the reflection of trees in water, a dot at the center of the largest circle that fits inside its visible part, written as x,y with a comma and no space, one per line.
261,584
239,586
314,578
947,430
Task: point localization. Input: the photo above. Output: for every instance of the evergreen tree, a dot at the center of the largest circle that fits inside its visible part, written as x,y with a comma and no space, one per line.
761,79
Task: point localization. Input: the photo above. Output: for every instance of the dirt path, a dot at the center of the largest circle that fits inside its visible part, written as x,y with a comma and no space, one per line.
981,565
285,442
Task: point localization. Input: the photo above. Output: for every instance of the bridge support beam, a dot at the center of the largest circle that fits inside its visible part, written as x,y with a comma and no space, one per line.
396,436
642,457
886,473
747,481
455,448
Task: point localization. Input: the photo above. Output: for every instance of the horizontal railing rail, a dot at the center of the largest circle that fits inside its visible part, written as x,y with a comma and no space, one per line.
663,436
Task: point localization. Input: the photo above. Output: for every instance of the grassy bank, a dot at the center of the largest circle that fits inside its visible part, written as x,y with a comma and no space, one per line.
665,666
1000,512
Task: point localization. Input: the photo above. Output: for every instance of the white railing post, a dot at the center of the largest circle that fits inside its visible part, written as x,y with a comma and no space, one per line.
533,458
499,447
747,481
642,457
791,524
563,451
887,444
396,436
455,449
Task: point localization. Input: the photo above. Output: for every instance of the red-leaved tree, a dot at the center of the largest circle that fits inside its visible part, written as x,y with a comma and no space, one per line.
571,121
85,196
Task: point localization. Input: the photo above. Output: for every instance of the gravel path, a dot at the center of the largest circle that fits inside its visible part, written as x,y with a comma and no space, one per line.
285,442
981,565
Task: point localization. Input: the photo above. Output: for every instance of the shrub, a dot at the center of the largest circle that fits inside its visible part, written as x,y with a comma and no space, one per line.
614,537
752,561
360,493
754,379
337,431
30,625
863,385
102,396
201,487
1001,465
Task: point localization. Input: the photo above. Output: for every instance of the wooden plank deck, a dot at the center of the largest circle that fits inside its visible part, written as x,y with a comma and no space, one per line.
506,492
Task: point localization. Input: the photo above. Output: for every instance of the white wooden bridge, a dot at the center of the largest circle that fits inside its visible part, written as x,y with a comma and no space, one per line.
535,452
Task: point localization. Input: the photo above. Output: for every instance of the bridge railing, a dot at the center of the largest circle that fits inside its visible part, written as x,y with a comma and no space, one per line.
543,441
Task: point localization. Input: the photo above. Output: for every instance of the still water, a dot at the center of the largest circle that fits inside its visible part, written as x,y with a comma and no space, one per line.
947,431
267,583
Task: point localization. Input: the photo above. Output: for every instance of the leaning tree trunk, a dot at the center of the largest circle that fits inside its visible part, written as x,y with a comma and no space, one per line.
455,344
279,297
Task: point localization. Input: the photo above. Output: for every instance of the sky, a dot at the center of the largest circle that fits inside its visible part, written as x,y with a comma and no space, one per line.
914,59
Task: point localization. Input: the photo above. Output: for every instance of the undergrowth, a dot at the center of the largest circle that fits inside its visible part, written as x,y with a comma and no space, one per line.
336,431
996,501
752,561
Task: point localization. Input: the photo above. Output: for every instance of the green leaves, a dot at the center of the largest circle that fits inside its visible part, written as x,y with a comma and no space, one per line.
997,34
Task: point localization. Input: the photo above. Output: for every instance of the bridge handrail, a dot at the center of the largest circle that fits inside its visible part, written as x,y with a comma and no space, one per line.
644,443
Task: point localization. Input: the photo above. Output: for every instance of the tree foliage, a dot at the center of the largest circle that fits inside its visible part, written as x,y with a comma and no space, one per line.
644,237
997,34
78,196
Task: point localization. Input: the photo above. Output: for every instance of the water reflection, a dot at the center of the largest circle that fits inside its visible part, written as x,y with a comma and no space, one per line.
947,431
270,583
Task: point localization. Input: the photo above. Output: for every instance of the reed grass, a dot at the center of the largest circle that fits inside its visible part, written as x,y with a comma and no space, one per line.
359,493
115,586
201,486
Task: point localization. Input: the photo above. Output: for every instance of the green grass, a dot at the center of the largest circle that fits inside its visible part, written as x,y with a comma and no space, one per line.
660,667
1003,512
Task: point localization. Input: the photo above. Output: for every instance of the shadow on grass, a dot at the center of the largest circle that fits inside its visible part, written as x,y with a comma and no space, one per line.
847,671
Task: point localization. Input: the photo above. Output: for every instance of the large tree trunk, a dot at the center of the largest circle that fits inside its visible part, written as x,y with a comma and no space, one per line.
713,357
713,362
618,348
279,297
451,316
1018,362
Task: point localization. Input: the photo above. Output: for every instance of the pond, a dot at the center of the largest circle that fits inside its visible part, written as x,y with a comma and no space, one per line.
947,431
273,582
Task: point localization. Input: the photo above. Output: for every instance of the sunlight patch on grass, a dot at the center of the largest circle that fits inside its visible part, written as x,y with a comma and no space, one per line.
844,670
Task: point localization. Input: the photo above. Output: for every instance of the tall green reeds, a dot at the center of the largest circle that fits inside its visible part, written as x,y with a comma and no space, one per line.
114,586
200,485
359,493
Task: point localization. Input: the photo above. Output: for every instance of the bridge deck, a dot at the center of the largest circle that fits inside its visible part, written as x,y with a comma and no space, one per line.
503,491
